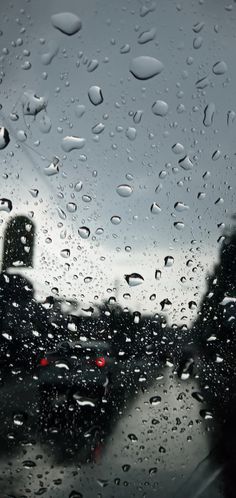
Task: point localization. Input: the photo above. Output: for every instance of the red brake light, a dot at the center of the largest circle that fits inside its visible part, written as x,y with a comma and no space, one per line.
100,362
44,362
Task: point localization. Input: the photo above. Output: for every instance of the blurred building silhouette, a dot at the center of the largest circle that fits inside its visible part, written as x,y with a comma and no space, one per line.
18,245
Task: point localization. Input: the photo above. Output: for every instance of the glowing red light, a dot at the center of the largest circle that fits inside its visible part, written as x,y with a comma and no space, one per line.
44,362
100,362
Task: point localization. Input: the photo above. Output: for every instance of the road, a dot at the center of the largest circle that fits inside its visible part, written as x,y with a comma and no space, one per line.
148,444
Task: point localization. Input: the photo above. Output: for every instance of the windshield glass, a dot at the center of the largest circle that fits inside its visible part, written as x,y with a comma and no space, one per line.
118,244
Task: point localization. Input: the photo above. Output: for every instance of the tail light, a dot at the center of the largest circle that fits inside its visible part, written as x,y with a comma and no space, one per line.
100,362
44,362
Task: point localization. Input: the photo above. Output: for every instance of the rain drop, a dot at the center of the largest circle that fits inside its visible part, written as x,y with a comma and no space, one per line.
84,232
95,95
66,22
145,67
124,190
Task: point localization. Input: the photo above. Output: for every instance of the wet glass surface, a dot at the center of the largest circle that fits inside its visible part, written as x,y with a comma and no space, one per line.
118,249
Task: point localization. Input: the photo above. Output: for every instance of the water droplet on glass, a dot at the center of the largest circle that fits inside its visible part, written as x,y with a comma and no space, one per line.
178,148
157,274
145,67
26,65
220,68
137,116
165,304
92,65
152,297
70,143
19,419
216,155
192,305
230,117
152,471
180,206
66,22
186,163
45,124
21,135
78,186
169,261
95,95
4,137
80,110
34,192
71,207
198,27
201,195
98,128
179,225
125,49
115,220
32,104
209,112
206,414
147,36
160,108
203,83
65,253
131,133
155,400
124,190
28,464
126,467
134,279
132,437
5,205
53,167
155,208
84,232
197,42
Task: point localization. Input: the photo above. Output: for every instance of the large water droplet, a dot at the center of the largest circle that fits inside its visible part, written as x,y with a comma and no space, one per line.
209,112
145,67
65,253
66,22
5,205
4,137
160,108
134,279
186,163
203,83
84,232
70,143
95,95
155,208
219,68
124,190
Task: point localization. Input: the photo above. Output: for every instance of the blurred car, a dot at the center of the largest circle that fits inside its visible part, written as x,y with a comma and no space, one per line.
75,373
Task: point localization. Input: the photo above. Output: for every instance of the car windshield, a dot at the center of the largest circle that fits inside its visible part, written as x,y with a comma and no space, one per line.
117,249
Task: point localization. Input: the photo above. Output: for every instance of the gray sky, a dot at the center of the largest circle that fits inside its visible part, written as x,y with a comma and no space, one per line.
110,158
